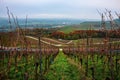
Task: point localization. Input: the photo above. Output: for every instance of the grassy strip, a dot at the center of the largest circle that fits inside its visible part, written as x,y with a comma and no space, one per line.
61,69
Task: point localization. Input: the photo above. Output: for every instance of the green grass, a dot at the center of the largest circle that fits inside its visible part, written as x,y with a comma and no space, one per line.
67,29
64,67
81,26
61,69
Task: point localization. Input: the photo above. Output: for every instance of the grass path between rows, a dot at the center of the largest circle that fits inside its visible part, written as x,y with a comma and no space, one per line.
63,69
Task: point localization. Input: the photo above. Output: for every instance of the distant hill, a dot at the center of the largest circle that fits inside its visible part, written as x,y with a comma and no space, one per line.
86,25
44,23
65,25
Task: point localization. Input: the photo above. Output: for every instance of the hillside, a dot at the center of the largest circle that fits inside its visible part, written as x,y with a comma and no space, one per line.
86,25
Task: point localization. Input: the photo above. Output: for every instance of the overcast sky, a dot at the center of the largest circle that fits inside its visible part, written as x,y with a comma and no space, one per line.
79,9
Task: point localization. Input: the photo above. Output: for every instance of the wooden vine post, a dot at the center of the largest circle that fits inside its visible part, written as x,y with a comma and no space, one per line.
87,53
40,53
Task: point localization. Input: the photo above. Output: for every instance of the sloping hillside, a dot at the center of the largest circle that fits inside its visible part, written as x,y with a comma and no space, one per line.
86,25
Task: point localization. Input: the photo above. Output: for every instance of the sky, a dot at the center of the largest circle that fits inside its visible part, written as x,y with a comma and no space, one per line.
76,9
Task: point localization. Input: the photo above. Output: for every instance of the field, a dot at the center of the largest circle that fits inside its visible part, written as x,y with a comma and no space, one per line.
51,59
59,40
86,25
50,54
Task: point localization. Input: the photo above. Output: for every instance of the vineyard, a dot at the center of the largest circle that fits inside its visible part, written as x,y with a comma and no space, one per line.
36,57
83,59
